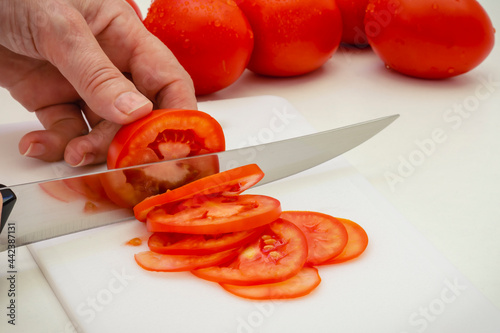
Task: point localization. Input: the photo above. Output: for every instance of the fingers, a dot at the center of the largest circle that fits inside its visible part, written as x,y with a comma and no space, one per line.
154,69
70,45
66,136
62,123
91,148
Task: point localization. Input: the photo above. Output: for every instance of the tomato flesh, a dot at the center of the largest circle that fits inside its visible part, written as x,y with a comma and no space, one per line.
230,182
177,243
356,243
301,284
214,215
158,262
278,254
162,135
326,236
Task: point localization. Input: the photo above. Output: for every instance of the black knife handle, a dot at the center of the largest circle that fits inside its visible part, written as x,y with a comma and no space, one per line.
9,199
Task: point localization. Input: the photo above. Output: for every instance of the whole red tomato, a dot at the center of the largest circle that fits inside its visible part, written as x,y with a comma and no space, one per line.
212,39
430,39
353,16
292,37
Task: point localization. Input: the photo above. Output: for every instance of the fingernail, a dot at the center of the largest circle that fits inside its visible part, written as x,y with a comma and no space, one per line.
130,101
75,161
35,149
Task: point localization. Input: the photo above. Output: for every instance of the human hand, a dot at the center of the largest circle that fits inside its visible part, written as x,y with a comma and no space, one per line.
64,59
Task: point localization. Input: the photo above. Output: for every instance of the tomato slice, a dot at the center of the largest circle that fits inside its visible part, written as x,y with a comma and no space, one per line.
162,135
129,187
356,243
301,284
158,262
326,236
278,254
230,182
165,134
177,243
214,214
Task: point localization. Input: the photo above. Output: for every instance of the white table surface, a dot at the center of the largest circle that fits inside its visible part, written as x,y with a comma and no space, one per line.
449,189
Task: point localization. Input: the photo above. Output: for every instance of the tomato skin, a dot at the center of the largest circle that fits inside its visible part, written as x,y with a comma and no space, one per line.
430,39
277,255
326,236
214,214
353,17
212,39
301,284
292,37
229,182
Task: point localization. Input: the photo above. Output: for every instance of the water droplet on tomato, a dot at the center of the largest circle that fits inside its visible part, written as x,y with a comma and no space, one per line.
435,6
217,23
451,70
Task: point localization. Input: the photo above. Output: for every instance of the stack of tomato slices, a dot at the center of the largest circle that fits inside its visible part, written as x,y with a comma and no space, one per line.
243,242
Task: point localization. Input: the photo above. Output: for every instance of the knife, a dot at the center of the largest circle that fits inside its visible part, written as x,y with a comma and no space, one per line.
29,215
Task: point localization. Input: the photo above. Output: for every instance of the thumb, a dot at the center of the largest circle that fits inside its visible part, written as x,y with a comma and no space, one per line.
79,57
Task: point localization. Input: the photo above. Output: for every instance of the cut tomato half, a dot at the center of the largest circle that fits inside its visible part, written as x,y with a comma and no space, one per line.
278,254
129,187
214,214
165,134
177,243
326,236
357,241
230,182
301,284
158,262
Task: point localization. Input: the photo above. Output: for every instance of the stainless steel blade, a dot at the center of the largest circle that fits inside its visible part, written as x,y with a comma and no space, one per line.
37,216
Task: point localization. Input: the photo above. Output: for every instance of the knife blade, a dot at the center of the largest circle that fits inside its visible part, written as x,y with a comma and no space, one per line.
35,216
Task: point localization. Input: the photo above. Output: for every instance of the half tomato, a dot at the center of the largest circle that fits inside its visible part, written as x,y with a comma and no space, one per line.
162,135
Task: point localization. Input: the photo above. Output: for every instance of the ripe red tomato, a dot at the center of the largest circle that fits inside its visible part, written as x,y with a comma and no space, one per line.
162,135
326,236
229,182
430,39
306,280
214,214
292,37
277,255
211,39
353,16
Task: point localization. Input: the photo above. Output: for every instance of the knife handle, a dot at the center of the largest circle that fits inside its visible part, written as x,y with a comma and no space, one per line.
9,199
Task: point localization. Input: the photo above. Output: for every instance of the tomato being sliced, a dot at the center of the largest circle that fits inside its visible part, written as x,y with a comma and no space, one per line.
214,214
158,262
177,243
162,135
356,243
230,182
278,254
326,236
301,284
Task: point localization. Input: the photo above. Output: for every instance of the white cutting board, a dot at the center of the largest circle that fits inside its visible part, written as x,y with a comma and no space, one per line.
400,284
